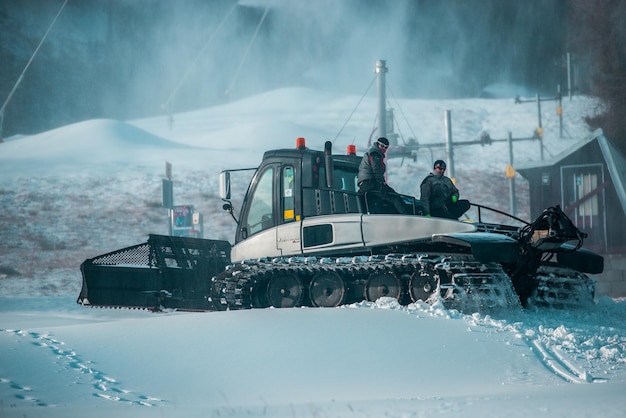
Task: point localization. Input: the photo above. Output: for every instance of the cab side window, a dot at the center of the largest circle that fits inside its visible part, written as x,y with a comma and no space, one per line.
260,215
345,179
289,195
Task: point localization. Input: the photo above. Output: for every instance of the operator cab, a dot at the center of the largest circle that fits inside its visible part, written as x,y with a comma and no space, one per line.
293,184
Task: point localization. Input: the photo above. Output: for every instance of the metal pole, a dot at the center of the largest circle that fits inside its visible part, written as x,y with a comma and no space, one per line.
19,79
449,148
569,77
540,127
168,175
381,69
512,178
539,111
560,111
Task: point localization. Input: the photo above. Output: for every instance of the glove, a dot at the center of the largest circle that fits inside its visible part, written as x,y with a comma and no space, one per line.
427,215
454,198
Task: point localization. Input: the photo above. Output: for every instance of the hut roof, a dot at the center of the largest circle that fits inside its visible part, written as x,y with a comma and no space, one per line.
615,162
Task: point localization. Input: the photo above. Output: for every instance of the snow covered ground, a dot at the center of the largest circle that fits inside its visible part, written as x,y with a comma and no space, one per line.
92,187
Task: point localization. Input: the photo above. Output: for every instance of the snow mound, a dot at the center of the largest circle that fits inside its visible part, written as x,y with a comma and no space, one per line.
70,146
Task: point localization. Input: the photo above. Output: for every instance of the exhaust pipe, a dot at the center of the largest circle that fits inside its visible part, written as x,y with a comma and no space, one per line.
328,162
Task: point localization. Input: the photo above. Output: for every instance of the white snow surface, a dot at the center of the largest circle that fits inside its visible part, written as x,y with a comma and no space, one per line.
95,186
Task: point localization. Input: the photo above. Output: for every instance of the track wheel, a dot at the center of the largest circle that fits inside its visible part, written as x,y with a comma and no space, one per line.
327,289
421,287
382,285
219,301
284,290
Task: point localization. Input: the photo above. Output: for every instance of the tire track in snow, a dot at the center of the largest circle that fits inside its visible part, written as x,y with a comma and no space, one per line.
554,361
578,344
104,386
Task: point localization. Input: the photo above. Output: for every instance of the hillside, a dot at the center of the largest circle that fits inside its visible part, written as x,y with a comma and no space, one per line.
91,187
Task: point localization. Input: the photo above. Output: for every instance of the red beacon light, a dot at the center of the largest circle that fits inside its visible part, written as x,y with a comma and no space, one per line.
300,143
351,150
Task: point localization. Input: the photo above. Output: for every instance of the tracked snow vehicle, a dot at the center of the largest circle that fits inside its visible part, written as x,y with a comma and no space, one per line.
305,237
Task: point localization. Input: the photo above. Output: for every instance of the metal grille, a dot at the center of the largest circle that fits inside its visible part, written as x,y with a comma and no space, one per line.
166,251
131,256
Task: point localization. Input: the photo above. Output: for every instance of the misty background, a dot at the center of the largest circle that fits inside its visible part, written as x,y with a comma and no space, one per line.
126,59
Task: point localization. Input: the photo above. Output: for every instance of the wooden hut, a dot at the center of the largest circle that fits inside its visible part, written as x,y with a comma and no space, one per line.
588,182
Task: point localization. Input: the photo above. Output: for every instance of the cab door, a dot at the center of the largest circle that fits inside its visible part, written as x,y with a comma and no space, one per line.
259,211
288,233
583,200
256,233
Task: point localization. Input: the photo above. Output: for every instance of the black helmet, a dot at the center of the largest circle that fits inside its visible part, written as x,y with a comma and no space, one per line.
439,164
383,142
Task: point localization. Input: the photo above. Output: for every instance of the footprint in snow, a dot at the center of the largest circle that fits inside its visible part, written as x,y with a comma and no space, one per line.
105,386
21,392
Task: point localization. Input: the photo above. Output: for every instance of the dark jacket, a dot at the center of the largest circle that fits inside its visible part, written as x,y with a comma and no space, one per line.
436,191
372,167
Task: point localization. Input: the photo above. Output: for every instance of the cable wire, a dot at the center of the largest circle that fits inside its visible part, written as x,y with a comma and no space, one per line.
19,79
402,112
354,110
206,45
243,58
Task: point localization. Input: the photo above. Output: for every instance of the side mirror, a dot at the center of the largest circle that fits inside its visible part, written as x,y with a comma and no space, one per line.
225,185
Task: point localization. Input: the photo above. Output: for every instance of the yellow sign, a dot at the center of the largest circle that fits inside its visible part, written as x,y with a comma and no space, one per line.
510,171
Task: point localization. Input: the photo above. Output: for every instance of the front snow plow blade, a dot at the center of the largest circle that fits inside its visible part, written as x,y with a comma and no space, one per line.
164,272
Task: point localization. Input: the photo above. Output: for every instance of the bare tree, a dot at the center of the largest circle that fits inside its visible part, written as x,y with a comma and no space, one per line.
597,31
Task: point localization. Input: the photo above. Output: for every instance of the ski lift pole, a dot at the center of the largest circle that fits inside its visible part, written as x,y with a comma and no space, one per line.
510,173
380,71
569,77
559,110
449,147
539,112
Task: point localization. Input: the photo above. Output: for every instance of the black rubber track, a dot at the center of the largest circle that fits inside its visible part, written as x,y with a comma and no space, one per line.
458,281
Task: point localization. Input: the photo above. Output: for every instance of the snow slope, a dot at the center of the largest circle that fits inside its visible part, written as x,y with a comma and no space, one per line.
84,189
